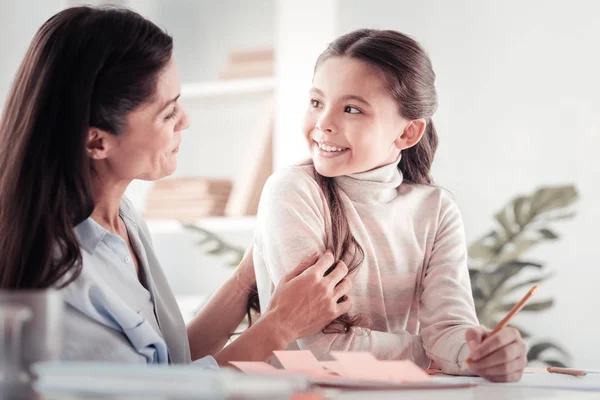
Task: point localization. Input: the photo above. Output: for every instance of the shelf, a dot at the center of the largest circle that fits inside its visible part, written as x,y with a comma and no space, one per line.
214,224
227,87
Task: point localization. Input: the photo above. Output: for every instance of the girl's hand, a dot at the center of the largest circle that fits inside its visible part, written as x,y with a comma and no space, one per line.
501,358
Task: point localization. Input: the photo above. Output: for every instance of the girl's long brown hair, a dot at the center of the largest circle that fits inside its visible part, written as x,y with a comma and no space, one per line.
85,67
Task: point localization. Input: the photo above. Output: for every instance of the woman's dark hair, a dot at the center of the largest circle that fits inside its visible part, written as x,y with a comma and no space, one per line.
86,67
407,71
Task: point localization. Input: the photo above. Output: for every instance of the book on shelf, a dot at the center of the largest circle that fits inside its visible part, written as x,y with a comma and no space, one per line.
256,167
248,63
187,198
249,55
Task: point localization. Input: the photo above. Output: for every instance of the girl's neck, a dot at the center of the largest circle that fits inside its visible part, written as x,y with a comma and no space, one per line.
379,185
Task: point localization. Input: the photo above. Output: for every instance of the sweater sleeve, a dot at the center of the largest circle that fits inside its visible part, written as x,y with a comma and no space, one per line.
291,224
447,308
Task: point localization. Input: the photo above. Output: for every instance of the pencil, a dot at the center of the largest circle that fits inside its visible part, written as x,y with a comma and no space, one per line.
510,314
566,371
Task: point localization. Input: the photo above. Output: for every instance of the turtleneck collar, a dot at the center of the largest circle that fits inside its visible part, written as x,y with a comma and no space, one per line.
379,185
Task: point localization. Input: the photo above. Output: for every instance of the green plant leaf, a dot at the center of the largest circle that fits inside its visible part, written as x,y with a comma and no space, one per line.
521,210
490,302
550,198
523,264
481,251
537,349
521,245
507,270
216,251
554,363
559,217
524,333
505,222
220,246
479,284
526,283
548,234
538,306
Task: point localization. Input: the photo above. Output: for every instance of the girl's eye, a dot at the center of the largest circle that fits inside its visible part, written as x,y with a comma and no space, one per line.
352,110
315,103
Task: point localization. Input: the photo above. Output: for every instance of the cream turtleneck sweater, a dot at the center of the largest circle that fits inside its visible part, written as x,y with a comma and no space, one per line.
413,283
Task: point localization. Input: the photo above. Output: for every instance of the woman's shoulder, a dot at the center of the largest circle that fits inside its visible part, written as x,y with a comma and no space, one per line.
127,209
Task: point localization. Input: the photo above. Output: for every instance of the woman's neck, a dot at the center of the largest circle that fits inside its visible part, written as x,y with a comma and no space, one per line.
108,193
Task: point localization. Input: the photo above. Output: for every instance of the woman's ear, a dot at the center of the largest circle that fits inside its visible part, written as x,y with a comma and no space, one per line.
99,143
412,133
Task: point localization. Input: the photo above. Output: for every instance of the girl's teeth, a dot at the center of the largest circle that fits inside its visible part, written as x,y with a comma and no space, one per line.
329,148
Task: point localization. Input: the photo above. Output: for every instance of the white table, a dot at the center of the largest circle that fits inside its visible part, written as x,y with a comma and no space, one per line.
486,391
160,384
477,393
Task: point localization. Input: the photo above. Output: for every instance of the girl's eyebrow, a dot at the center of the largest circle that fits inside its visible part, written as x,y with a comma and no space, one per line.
345,97
357,98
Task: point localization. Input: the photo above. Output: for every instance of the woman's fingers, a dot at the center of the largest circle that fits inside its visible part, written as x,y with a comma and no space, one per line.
337,274
342,289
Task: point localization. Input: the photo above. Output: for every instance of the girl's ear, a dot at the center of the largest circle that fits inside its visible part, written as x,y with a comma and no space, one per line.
412,133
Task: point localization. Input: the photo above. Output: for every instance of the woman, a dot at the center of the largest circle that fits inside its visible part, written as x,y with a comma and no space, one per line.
94,105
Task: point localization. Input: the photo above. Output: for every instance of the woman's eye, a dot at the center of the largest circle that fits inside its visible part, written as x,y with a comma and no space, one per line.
172,115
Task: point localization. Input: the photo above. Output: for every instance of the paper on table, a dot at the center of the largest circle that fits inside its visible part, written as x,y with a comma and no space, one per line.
302,361
359,370
333,366
360,365
405,371
364,365
258,367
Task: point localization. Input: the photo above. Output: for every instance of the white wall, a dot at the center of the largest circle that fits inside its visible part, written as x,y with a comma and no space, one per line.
519,88
19,20
303,31
205,31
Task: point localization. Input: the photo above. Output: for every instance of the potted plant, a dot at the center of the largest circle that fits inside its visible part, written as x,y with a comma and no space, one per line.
498,261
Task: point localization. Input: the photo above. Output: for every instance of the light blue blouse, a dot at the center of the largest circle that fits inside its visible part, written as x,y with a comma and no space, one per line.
109,314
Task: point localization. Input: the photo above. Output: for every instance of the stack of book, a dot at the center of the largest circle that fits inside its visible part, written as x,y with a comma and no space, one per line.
187,199
246,64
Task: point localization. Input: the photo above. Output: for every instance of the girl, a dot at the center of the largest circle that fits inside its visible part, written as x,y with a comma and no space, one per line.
368,196
94,105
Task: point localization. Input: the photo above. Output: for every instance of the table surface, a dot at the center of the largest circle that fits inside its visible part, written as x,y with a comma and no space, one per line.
476,393
532,386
